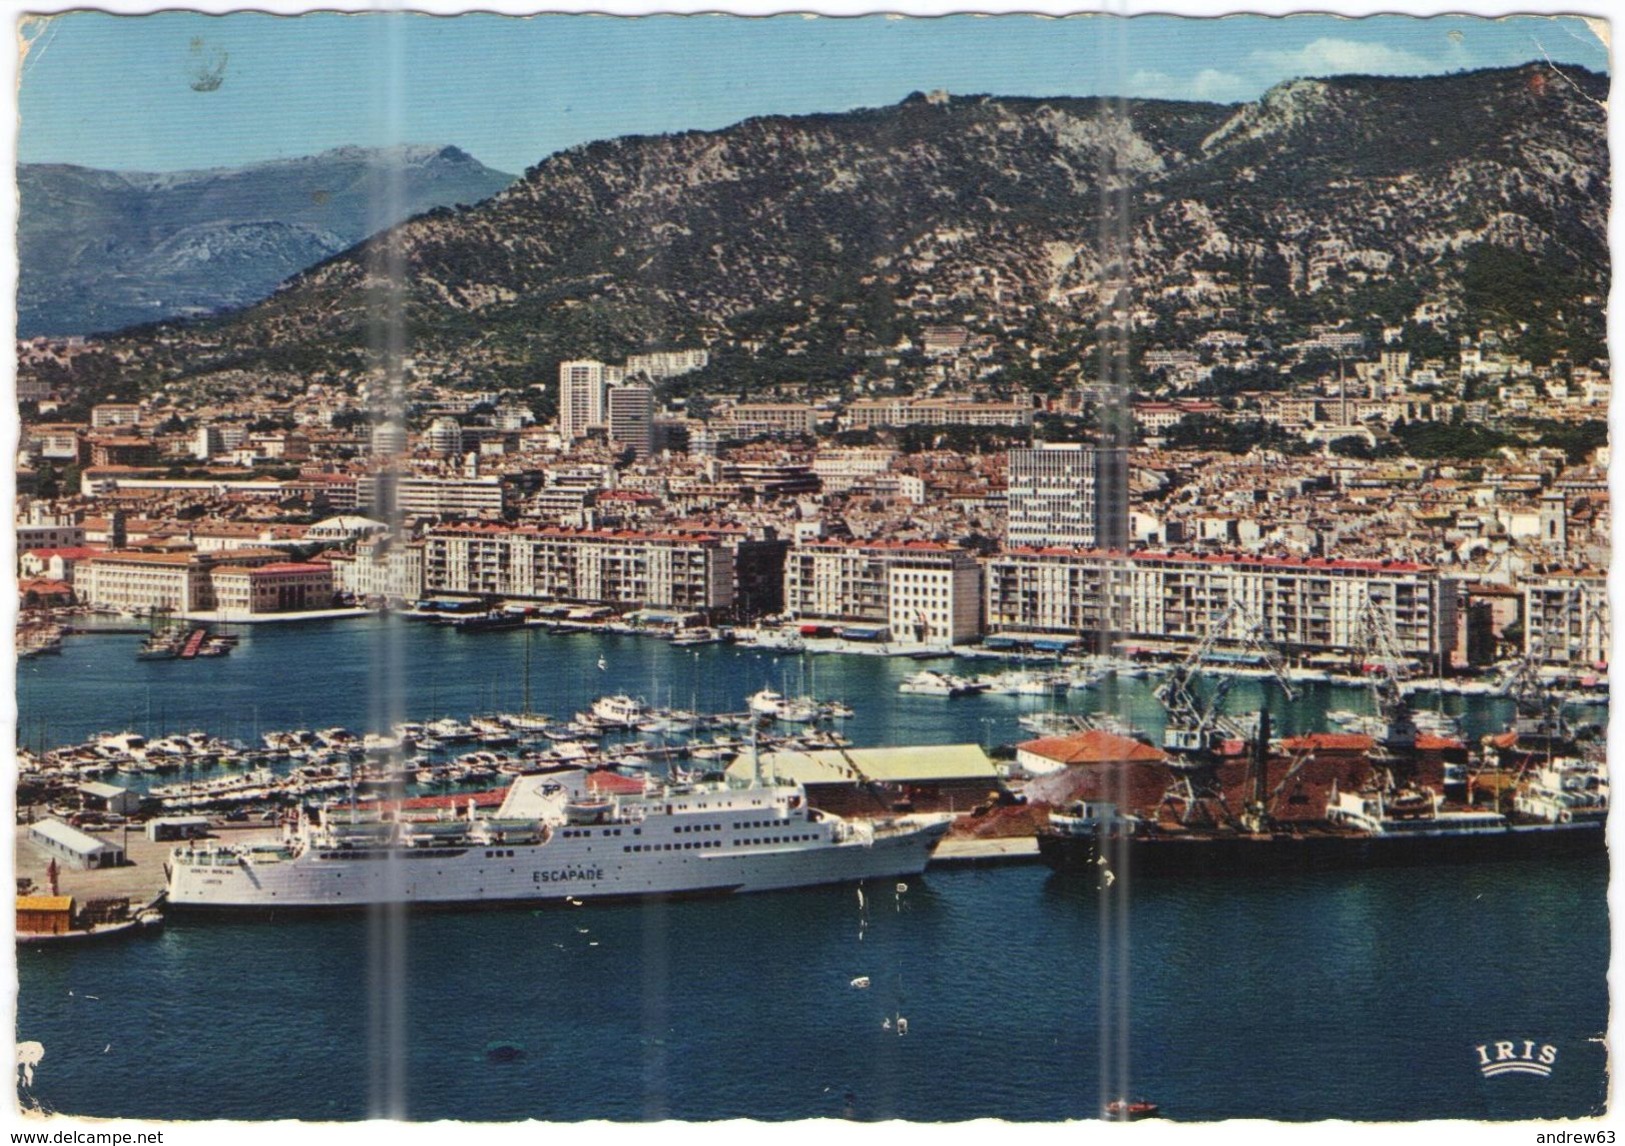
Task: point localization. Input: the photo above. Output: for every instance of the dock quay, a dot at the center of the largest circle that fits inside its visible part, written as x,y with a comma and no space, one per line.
960,852
139,880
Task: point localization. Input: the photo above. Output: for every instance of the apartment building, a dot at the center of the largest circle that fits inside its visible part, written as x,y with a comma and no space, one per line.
44,531
838,470
920,591
581,397
872,413
1305,606
770,419
1566,616
381,567
432,496
109,414
57,441
611,567
667,363
630,415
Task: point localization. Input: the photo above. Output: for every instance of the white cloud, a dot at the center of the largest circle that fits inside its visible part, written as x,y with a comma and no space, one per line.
1209,85
1220,87
1330,57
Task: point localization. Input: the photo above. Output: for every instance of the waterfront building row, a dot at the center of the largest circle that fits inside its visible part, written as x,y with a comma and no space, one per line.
1304,606
241,582
691,572
911,592
939,594
922,592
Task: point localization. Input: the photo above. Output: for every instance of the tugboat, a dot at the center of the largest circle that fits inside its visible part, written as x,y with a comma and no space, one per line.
57,918
1125,1110
498,620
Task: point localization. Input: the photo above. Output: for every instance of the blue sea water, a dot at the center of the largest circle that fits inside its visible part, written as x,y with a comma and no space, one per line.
365,673
1347,995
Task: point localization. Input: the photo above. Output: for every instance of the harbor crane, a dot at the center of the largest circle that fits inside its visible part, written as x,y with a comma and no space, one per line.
1380,649
1538,720
1194,728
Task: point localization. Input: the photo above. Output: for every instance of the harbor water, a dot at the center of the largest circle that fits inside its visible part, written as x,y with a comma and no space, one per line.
1350,995
363,674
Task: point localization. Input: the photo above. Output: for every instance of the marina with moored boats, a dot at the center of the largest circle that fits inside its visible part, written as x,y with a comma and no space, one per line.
1456,756
312,786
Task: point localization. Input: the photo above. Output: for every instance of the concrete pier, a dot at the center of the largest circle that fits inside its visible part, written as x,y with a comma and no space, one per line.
960,852
139,880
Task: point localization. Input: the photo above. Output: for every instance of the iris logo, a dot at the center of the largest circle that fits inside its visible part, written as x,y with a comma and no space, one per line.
1496,1059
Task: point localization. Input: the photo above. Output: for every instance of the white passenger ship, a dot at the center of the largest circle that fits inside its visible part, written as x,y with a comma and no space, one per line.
554,840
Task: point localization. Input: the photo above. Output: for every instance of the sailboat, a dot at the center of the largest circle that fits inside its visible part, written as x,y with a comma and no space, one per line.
526,721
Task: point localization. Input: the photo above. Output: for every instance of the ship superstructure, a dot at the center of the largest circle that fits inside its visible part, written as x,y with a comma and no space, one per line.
555,839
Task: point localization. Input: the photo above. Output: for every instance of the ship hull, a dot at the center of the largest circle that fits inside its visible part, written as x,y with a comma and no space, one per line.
558,871
1203,855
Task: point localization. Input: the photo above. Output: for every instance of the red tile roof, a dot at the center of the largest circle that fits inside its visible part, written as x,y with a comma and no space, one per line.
73,553
1092,747
44,585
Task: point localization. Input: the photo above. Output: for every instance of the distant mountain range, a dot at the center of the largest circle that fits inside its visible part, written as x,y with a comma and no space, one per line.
99,250
808,247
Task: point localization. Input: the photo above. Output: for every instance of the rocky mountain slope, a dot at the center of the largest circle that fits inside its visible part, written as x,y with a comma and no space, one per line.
104,249
809,246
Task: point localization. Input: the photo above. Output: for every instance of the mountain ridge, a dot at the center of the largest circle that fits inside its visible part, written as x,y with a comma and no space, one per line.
812,244
92,242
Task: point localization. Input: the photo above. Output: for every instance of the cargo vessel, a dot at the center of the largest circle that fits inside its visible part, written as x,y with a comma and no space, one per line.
1361,829
554,839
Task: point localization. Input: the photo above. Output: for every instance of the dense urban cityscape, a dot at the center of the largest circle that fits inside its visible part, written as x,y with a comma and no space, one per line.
1055,576
814,513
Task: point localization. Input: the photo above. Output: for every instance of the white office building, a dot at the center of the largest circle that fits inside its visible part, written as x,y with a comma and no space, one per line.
1067,494
581,397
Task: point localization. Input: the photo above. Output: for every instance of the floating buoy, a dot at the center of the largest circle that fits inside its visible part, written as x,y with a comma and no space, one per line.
861,982
902,1025
901,888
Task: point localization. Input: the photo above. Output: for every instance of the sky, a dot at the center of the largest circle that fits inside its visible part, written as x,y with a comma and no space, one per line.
183,90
